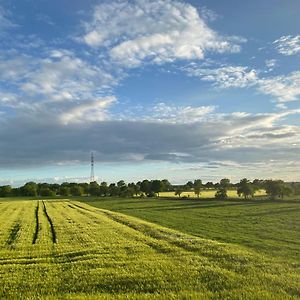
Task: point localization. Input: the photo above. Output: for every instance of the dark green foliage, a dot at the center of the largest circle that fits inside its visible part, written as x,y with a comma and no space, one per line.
5,191
221,194
245,188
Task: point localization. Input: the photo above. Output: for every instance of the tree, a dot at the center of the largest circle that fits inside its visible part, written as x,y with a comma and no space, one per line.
197,187
225,183
29,189
178,191
156,186
64,191
94,188
121,183
273,188
5,191
221,193
76,190
245,188
113,190
166,185
103,189
209,185
189,185
146,186
135,187
47,192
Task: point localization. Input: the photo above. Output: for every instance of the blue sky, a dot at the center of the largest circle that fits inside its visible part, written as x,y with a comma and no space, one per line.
156,89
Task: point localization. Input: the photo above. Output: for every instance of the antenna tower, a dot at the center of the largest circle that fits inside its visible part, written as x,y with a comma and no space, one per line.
92,178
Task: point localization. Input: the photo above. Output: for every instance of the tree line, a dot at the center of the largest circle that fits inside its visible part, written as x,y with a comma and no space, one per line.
152,188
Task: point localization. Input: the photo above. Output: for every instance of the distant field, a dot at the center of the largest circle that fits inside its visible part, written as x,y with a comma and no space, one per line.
69,250
209,194
270,227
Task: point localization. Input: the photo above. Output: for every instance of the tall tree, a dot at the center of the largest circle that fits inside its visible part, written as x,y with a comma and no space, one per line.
197,187
156,186
245,188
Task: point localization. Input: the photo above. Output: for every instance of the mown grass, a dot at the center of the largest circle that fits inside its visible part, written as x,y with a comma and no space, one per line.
101,254
270,227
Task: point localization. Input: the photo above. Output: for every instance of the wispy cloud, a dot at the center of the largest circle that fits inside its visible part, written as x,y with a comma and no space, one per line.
284,88
288,45
225,76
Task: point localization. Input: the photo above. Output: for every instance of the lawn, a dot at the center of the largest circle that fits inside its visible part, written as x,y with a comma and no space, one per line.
63,249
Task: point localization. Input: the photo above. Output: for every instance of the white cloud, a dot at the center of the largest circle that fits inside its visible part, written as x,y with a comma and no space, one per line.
156,31
179,114
225,76
288,45
271,64
284,88
51,84
91,111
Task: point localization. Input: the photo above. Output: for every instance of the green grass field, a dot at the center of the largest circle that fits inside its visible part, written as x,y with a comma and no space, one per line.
61,249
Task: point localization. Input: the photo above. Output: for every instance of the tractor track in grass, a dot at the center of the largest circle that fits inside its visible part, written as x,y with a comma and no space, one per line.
37,225
13,233
52,229
159,245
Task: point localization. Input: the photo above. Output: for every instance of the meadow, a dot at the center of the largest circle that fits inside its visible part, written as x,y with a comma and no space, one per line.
269,227
63,249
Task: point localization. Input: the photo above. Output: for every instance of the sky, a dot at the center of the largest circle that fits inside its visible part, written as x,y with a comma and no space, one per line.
154,88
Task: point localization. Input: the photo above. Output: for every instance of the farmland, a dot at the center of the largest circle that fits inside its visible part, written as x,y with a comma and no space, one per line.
67,249
209,194
269,227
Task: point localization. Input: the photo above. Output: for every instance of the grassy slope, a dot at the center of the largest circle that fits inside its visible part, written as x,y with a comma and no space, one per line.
106,255
272,228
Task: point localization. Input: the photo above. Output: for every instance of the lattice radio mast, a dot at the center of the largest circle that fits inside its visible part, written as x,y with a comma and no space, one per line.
92,178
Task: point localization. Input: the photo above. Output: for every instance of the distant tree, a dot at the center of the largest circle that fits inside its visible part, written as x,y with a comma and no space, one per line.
64,191
221,193
209,185
189,186
156,186
47,192
166,185
135,187
146,186
113,190
178,191
76,190
245,188
85,187
274,188
94,189
286,191
29,189
121,183
5,191
225,183
197,187
103,189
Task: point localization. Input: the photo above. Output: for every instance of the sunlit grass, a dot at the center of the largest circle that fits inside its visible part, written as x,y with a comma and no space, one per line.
102,254
209,194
